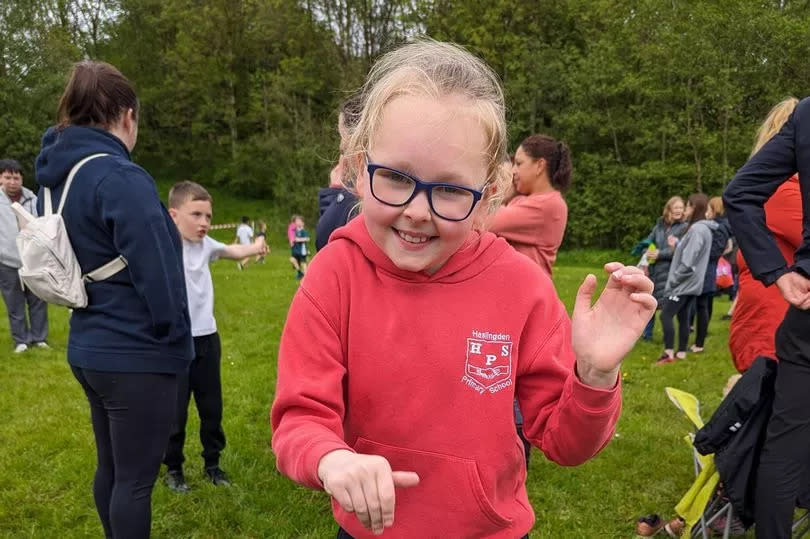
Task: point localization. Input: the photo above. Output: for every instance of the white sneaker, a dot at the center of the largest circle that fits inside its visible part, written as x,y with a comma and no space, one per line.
20,348
41,344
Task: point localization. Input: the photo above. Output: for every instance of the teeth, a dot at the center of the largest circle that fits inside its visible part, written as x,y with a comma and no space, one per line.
412,239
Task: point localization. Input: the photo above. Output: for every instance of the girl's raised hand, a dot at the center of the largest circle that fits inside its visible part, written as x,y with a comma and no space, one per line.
364,485
605,332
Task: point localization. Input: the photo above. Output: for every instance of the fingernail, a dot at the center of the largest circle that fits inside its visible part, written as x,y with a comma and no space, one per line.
617,274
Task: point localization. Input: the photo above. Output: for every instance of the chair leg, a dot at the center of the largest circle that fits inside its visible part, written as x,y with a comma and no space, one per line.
801,526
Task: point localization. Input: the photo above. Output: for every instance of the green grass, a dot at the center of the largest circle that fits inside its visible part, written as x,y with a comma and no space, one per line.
48,456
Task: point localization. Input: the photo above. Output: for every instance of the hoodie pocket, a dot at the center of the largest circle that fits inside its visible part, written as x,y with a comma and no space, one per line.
450,496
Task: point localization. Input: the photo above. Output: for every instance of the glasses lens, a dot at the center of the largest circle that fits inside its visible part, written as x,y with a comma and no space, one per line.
391,187
452,202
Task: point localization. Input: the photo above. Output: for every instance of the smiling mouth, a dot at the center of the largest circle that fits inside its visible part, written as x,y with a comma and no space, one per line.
416,239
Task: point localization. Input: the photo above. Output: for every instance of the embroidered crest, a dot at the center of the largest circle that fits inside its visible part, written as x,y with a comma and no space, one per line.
488,364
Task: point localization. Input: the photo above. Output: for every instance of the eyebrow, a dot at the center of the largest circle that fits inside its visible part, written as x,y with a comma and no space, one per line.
443,177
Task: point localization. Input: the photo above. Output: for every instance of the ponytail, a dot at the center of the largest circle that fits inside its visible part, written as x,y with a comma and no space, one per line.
96,95
557,156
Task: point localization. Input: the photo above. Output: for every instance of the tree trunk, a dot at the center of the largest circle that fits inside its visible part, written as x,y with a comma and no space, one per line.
232,116
265,105
614,135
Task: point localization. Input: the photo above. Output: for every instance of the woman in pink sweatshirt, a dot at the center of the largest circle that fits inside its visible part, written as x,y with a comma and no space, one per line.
413,332
534,218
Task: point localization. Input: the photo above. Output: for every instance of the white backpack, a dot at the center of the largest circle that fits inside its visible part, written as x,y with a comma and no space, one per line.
49,266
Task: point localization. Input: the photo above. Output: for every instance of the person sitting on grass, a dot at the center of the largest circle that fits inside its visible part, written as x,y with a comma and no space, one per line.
190,206
298,247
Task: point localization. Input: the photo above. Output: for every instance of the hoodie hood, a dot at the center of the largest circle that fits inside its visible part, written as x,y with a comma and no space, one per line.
477,253
711,224
63,148
328,195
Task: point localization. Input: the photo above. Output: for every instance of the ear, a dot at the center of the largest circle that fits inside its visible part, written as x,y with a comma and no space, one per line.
173,214
362,173
542,166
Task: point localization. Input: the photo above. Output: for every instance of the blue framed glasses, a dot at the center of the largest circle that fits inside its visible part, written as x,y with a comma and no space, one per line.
393,187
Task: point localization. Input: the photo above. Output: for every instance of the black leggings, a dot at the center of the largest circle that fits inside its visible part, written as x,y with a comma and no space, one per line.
131,415
704,315
682,308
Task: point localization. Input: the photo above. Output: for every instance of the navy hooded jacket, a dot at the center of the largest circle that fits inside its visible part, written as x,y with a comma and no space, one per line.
137,320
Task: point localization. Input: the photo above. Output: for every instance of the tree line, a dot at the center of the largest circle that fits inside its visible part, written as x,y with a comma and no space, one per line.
654,97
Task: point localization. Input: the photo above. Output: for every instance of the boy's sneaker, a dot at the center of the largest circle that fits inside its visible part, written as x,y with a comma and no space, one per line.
176,481
41,344
217,476
20,348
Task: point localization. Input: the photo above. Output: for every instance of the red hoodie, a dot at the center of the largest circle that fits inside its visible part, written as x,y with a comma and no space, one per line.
422,370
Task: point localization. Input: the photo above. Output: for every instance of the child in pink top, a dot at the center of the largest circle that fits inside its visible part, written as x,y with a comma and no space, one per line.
413,332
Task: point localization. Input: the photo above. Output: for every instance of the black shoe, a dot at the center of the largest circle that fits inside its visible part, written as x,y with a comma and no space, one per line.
217,476
177,482
725,317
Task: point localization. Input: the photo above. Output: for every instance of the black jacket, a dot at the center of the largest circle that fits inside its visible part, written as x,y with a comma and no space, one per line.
720,237
337,207
780,158
736,433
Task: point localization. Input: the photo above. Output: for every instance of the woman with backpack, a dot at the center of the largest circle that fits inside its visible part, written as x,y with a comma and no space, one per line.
127,345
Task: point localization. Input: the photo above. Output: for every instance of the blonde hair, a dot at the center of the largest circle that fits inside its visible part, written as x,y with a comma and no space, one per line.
774,121
667,213
433,69
716,204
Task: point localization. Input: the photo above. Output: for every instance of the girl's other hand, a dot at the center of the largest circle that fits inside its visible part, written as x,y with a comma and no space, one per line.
364,485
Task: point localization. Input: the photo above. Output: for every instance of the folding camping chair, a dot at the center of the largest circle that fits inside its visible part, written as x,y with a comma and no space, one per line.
704,503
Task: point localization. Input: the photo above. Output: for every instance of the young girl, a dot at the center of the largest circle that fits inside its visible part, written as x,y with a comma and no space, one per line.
413,332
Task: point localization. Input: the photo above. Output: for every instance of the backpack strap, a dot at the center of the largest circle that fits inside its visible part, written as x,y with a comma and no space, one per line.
106,271
73,171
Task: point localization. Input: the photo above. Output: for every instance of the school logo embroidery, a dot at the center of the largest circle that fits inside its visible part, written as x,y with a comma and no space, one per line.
488,366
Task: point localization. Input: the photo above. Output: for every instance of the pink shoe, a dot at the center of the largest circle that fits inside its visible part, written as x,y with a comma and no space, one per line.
665,358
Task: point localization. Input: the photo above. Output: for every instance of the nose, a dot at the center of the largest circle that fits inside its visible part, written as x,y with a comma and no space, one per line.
418,209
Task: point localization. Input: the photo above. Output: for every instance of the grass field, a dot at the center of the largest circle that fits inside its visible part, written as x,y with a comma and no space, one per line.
47,451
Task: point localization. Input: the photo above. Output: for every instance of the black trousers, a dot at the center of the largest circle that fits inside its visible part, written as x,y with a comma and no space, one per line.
783,465
131,415
682,309
704,315
203,381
